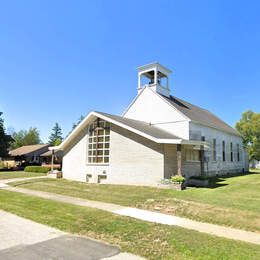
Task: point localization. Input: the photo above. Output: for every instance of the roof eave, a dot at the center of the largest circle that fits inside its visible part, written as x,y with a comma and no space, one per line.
92,114
218,128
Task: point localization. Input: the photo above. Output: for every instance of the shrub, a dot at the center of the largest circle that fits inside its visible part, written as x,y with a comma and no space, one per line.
177,179
40,169
165,181
2,165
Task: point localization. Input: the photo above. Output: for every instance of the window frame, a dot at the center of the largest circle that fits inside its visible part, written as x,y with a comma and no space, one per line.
238,152
98,145
231,152
214,149
223,151
189,150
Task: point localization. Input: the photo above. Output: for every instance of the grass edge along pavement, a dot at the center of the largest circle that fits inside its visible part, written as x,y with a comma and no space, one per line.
19,174
150,240
234,203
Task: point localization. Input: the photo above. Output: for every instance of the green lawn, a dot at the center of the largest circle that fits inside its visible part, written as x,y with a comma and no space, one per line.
150,240
234,201
19,174
255,170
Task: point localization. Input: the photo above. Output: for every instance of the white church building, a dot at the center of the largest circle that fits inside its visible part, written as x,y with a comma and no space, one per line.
157,136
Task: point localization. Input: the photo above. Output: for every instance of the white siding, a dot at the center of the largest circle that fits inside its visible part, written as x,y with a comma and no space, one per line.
220,166
151,108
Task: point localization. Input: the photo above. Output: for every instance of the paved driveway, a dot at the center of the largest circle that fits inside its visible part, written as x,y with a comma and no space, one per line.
25,240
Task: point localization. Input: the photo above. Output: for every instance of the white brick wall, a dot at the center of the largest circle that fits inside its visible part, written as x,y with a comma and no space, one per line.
137,160
133,160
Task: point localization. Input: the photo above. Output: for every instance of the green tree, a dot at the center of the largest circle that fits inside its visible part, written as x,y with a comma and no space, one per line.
77,123
24,137
249,128
4,139
56,135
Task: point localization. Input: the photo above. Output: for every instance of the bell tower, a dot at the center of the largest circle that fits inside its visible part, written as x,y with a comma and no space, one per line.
154,76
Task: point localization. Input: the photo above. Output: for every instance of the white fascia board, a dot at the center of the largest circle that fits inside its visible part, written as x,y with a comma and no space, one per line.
194,142
75,131
51,148
169,141
96,114
128,128
133,101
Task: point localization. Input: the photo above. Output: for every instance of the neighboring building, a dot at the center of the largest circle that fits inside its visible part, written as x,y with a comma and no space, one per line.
29,154
47,158
254,164
157,136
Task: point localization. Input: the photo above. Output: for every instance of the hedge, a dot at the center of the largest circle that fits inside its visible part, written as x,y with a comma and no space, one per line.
40,169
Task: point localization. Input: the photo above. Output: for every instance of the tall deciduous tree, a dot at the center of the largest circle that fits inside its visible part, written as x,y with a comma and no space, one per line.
24,137
249,128
4,139
56,135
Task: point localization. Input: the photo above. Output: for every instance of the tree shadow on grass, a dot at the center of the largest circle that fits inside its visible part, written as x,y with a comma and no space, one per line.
216,181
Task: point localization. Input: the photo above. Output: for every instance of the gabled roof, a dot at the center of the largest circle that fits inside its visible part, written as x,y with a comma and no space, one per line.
27,149
199,115
139,127
142,126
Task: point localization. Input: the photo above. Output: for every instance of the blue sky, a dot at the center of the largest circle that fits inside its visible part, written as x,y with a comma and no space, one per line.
61,59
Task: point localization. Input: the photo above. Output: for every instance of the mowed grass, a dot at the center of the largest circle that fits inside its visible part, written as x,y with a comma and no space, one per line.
150,240
255,170
19,174
233,201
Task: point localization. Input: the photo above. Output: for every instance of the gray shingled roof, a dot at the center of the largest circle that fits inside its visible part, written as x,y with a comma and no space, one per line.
27,149
141,126
200,115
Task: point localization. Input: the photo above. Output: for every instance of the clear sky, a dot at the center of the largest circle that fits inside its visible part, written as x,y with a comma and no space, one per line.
61,59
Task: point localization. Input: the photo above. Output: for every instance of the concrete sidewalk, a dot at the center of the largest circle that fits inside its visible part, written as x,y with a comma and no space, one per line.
24,239
4,181
221,231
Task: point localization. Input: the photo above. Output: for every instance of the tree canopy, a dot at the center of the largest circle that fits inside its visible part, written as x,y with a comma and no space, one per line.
4,139
249,128
56,135
26,137
78,122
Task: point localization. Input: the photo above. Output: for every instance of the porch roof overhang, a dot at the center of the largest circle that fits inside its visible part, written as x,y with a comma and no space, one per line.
141,128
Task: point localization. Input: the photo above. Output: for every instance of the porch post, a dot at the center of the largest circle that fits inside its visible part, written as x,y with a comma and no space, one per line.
179,159
52,160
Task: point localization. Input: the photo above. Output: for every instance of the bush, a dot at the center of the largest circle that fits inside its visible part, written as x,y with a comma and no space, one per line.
165,181
2,165
177,179
40,169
